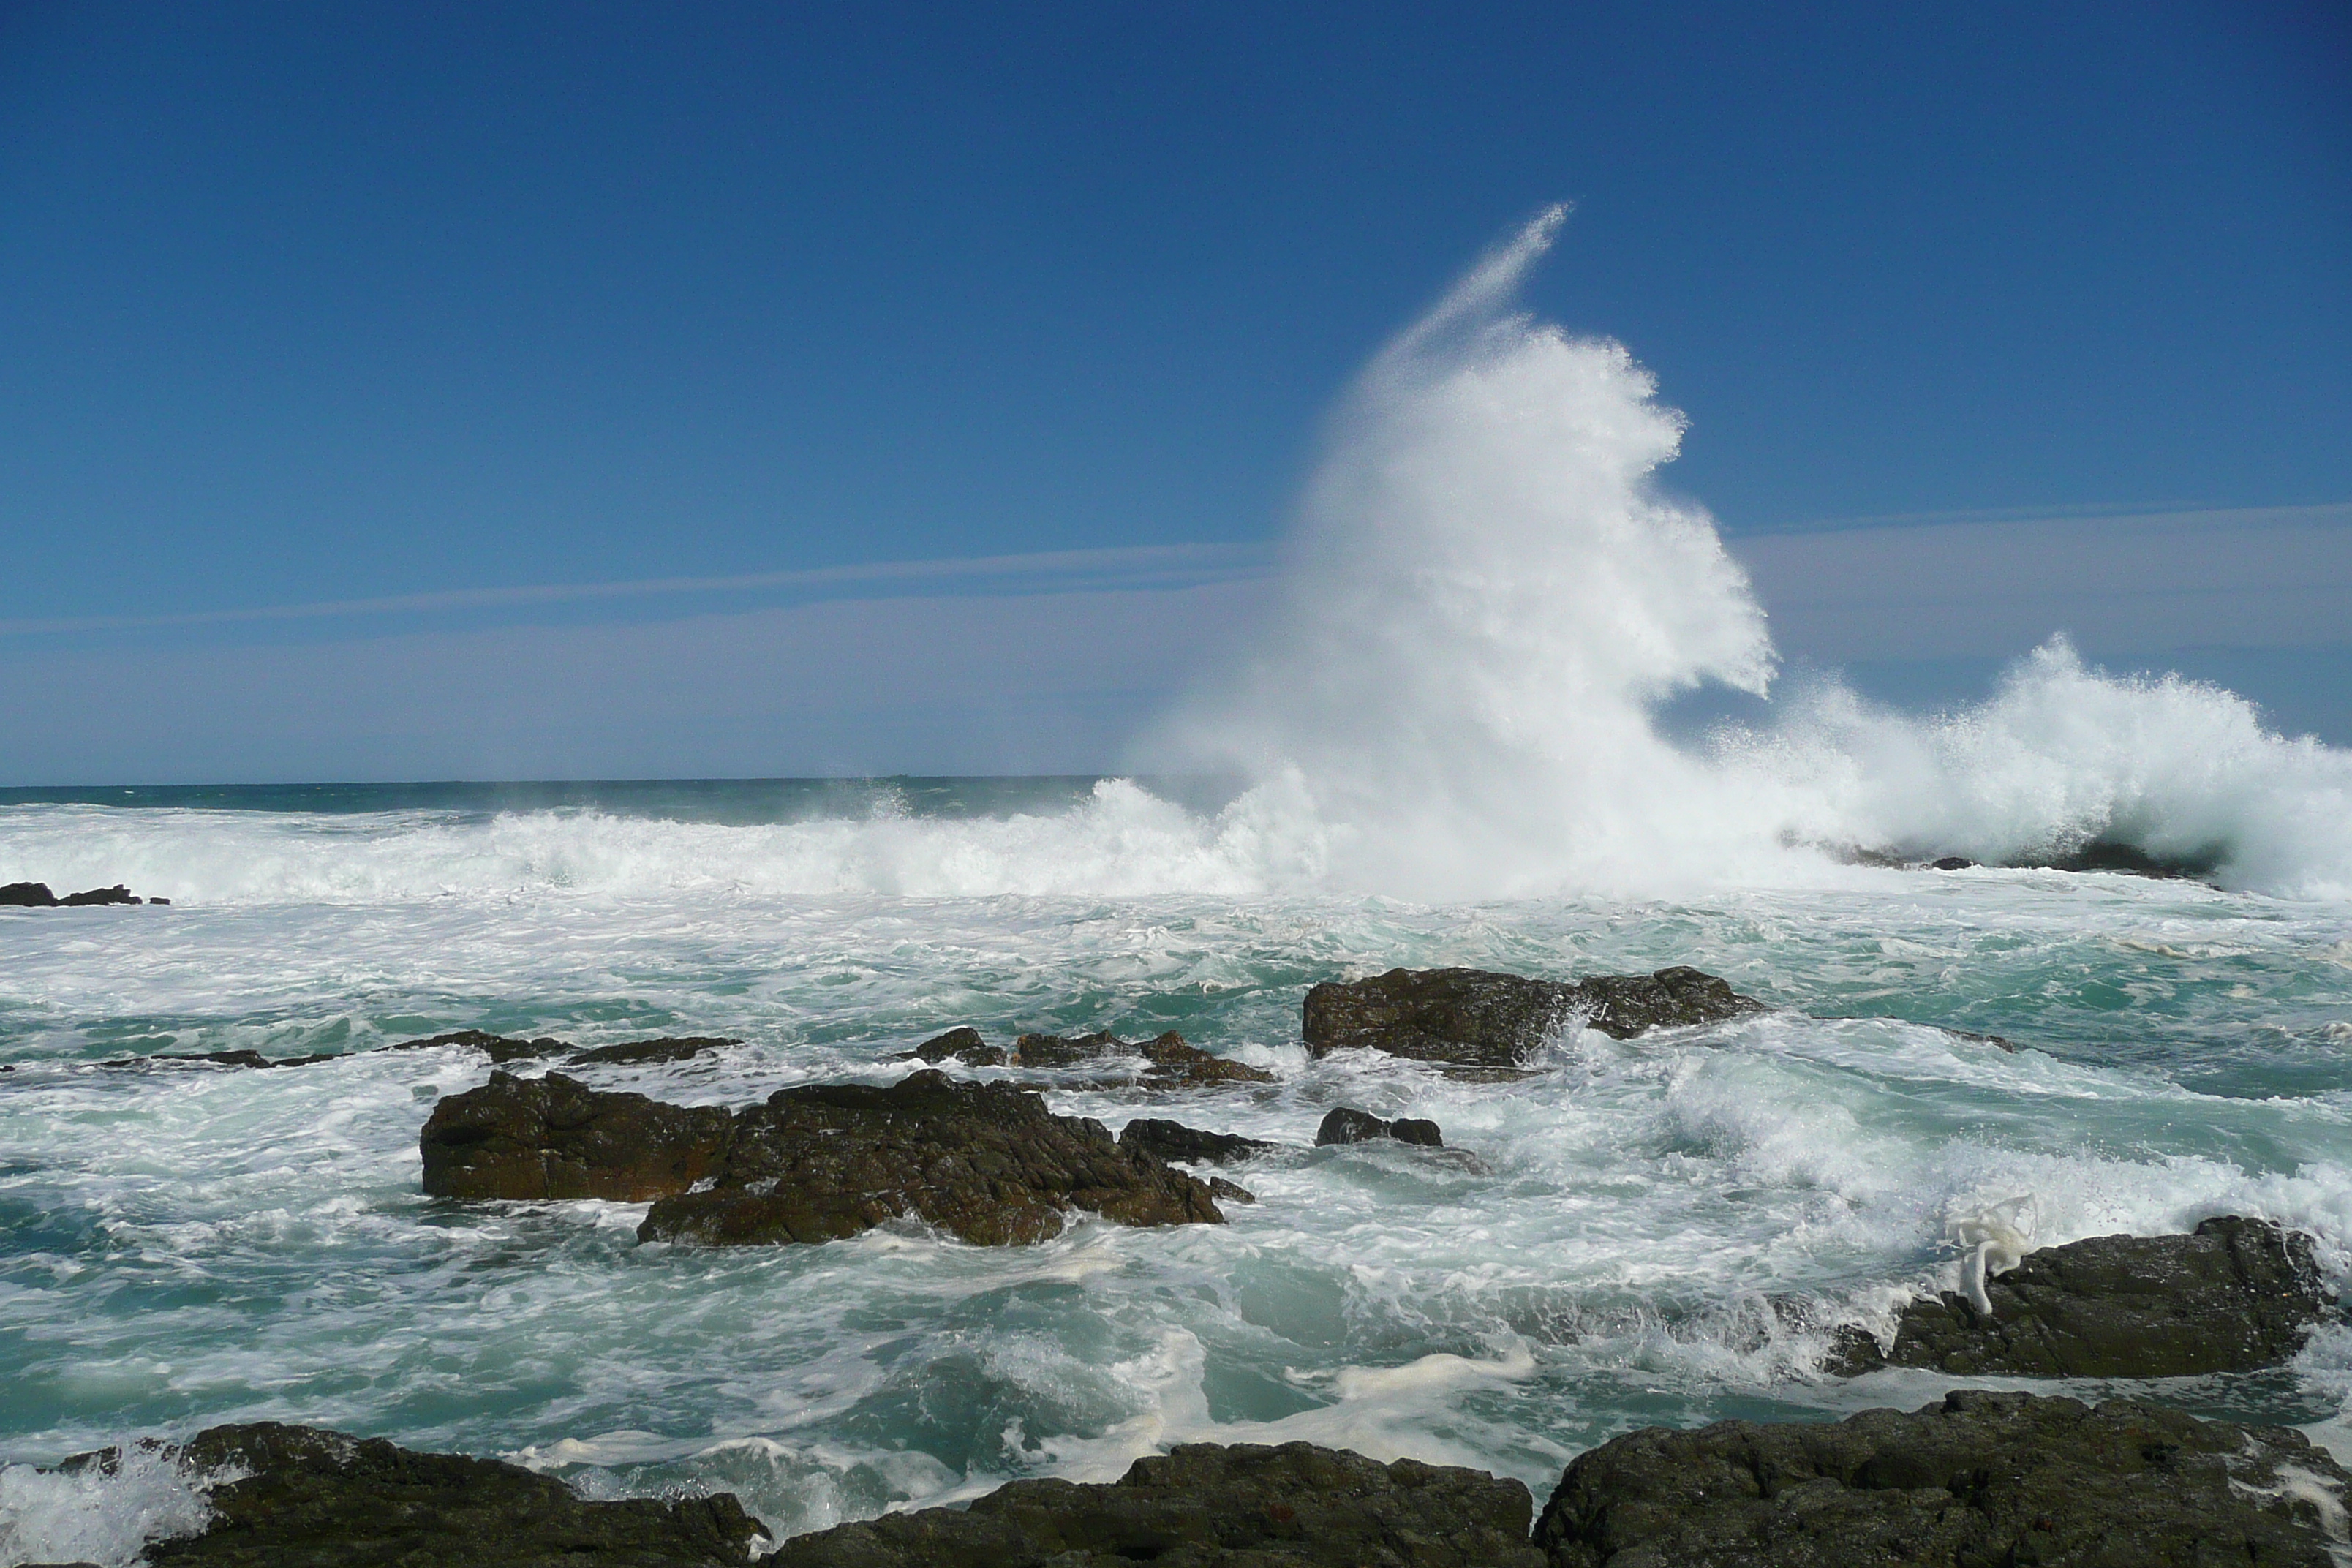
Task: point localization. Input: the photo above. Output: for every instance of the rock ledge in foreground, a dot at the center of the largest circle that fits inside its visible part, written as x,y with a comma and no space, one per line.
2234,1295
1204,1506
1979,1480
1476,1017
315,1499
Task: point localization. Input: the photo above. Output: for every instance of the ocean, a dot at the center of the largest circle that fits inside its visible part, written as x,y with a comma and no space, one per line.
1447,749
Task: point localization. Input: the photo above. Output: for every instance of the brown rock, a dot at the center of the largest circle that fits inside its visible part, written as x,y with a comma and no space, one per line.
554,1137
1476,1017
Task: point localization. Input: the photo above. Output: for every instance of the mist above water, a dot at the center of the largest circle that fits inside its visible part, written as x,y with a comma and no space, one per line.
1488,596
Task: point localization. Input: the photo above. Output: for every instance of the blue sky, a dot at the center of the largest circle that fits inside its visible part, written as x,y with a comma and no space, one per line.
442,304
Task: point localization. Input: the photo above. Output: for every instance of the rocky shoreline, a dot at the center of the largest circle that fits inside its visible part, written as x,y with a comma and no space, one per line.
1975,1479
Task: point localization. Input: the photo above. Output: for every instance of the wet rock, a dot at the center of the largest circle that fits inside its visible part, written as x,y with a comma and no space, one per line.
36,896
1175,1141
2234,1295
1224,1190
498,1047
985,1161
1172,1062
1980,1479
221,1059
641,1053
1205,1506
1953,863
2115,854
554,1137
313,1499
1476,1017
963,1045
1344,1125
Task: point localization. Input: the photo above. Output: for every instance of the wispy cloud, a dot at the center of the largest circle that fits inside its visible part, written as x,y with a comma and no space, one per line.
1066,570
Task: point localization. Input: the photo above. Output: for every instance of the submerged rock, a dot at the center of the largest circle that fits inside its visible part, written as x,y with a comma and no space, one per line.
554,1137
985,1161
1173,1062
1175,1141
1478,1019
1345,1125
1979,1479
640,1052
242,1059
498,1047
2234,1295
1206,1506
313,1499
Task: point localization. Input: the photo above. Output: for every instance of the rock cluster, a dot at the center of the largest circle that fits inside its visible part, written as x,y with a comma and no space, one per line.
313,1499
36,896
1474,1018
1168,1060
500,1049
1980,1479
2234,1295
985,1161
1344,1125
1204,1505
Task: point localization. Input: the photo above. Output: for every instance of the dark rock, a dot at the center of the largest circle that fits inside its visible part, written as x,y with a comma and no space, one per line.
1175,1141
1954,863
554,1137
2234,1295
220,1058
985,1161
498,1047
2114,855
1173,1063
165,901
1980,1480
117,894
1478,1019
1346,1126
1204,1506
963,1045
28,896
639,1052
1224,1190
313,1499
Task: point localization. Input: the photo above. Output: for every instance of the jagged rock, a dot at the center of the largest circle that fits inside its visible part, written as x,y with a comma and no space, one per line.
36,896
985,1161
1175,1141
639,1053
498,1047
554,1137
1205,1506
963,1045
2234,1295
1224,1190
1980,1480
1344,1125
1173,1062
314,1498
1478,1019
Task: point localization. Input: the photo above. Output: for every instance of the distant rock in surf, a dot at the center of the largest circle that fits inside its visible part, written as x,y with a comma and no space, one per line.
984,1162
1953,863
306,1497
1344,1125
963,1044
1478,1019
1173,1062
36,896
2234,1295
1979,1478
554,1137
1206,1506
498,1047
1175,1141
644,1053
245,1058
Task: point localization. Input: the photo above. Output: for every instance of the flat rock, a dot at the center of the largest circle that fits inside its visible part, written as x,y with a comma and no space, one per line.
2234,1295
36,896
498,1047
1346,1125
313,1499
246,1058
1172,1061
1175,1141
1980,1480
985,1161
1206,1506
640,1052
554,1137
1476,1017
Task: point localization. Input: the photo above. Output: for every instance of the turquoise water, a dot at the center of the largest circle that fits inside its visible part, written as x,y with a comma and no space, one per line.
1594,1251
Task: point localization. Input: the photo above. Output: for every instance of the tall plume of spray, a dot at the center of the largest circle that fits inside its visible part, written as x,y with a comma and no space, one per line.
1487,595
